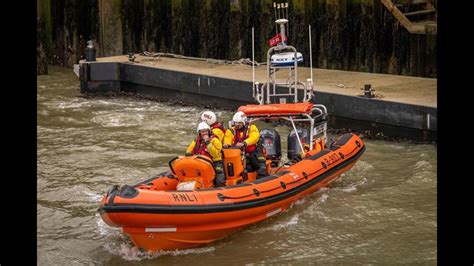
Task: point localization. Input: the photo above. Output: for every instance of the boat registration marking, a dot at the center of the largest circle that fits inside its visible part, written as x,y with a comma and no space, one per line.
184,197
273,212
161,229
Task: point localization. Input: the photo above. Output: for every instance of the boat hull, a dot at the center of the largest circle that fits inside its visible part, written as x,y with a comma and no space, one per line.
160,220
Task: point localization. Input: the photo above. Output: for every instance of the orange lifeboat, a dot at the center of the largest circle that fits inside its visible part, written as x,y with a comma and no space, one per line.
181,209
158,216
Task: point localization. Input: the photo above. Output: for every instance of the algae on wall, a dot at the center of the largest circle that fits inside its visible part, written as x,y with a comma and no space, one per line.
73,23
132,13
356,35
41,40
110,28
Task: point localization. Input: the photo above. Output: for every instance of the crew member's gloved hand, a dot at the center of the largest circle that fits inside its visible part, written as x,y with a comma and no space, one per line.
225,145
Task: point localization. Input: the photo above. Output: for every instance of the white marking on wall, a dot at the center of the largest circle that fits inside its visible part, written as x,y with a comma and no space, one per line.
273,212
161,229
199,81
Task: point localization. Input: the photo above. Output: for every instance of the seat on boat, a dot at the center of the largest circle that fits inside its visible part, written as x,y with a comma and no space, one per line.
233,165
194,168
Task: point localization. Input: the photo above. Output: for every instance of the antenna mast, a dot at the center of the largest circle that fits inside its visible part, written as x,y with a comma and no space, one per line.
288,24
253,57
274,9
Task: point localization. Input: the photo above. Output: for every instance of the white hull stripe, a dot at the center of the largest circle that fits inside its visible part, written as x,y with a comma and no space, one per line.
161,229
273,212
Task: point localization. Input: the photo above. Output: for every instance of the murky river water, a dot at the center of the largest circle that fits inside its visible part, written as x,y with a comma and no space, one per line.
382,211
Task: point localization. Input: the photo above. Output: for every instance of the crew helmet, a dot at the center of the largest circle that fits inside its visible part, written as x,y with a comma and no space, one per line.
203,126
209,117
239,117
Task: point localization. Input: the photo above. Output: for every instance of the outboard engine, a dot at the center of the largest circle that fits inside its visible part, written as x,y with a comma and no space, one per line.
294,148
272,143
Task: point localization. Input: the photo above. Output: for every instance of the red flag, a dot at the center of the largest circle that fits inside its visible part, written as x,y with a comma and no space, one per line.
276,40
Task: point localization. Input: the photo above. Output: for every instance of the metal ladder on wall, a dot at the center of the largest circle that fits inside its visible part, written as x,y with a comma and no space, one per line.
417,16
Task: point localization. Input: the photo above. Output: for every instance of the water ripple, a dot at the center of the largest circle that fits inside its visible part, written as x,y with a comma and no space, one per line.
382,210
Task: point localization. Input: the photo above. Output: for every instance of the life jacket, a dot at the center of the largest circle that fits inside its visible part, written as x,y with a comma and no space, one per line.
219,126
318,145
201,148
237,138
